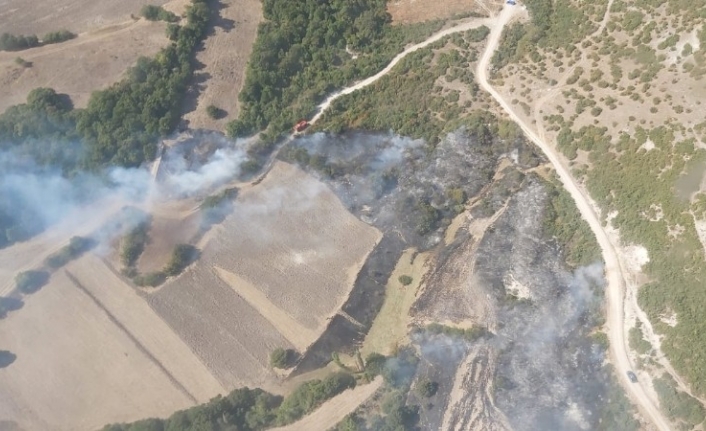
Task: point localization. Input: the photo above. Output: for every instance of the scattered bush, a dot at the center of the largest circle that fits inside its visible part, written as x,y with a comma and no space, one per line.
214,112
9,42
405,280
30,281
283,358
22,62
182,256
76,247
58,36
151,279
427,388
133,244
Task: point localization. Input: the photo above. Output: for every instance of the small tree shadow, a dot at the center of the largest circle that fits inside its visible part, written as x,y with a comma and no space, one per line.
9,304
6,358
219,21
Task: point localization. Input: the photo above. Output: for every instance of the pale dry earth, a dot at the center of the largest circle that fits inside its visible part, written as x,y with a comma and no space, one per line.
412,11
336,409
224,57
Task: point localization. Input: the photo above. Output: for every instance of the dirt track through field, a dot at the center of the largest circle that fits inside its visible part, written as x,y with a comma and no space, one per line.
613,270
132,338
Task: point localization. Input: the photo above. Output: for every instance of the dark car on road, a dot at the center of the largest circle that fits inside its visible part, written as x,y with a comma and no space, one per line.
632,377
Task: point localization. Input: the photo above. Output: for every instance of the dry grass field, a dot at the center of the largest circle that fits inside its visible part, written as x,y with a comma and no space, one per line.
411,11
90,351
42,16
225,56
391,326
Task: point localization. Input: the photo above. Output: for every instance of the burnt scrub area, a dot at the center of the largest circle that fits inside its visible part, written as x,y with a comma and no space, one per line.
538,366
408,189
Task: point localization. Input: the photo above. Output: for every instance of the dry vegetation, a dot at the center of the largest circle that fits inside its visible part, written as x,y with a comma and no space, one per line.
411,11
225,55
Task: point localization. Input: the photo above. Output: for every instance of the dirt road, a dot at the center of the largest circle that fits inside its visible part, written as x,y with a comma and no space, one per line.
614,272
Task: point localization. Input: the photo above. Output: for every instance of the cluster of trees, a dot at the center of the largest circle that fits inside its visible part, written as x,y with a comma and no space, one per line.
133,244
677,404
563,221
157,13
248,409
554,25
182,256
76,247
30,281
283,358
58,37
10,42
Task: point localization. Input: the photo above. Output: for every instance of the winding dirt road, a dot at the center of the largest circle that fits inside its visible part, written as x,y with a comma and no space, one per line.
614,272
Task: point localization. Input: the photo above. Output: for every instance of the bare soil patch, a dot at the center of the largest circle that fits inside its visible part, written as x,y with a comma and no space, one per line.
80,66
90,351
43,16
411,11
225,57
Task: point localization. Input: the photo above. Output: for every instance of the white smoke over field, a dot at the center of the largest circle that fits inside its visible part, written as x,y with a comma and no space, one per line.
34,198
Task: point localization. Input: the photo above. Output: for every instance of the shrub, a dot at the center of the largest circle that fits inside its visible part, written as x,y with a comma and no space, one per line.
215,112
76,247
31,281
405,280
58,36
283,358
151,279
182,256
22,62
9,42
427,388
157,13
